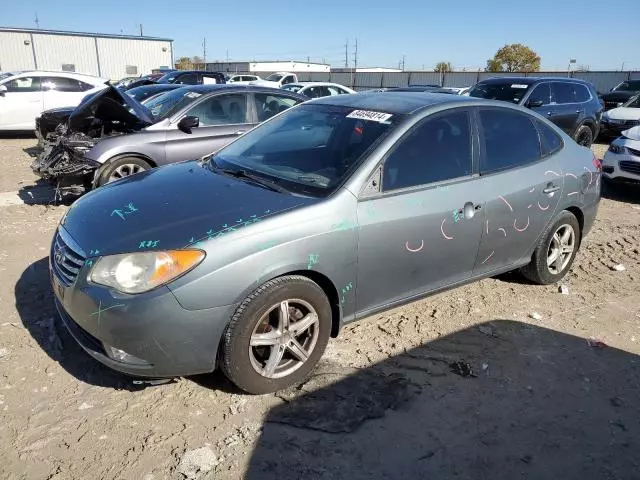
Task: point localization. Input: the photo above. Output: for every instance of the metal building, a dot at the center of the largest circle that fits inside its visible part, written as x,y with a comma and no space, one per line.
267,66
108,56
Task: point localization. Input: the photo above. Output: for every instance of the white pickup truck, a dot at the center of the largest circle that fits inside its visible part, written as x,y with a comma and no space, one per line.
277,80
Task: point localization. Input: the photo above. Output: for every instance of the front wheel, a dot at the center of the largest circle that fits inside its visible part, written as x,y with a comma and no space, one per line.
277,335
555,251
121,168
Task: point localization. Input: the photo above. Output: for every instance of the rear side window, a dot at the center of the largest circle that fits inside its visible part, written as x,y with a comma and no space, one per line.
510,139
582,94
563,92
437,149
64,84
550,141
269,105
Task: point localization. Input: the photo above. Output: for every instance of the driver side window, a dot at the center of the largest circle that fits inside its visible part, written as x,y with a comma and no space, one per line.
437,149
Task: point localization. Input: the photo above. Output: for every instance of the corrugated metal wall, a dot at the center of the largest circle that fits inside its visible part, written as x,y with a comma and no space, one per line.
16,51
53,51
106,57
115,54
603,81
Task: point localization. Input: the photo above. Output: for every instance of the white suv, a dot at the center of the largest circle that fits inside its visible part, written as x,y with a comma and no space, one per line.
243,79
24,95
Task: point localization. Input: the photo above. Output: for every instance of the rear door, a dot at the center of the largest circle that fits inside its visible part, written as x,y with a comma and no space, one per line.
222,118
565,110
63,91
21,103
521,181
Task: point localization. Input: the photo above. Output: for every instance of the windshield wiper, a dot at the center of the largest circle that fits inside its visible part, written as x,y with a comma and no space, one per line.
263,182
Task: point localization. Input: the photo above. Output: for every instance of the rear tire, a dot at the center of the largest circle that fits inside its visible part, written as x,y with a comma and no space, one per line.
121,168
552,259
261,351
584,136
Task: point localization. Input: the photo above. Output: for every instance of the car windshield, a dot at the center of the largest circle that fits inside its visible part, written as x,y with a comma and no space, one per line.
634,102
164,106
145,91
632,85
292,87
510,91
274,77
309,149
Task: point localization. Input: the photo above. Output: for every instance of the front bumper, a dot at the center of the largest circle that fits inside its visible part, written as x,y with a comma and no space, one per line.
166,339
621,166
60,161
609,128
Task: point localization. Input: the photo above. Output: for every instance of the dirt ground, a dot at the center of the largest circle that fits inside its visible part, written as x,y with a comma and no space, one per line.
466,384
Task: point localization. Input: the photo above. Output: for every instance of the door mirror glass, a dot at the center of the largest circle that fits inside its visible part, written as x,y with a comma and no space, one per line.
188,122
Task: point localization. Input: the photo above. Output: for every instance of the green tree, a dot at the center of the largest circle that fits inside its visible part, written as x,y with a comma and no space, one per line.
514,58
184,63
444,67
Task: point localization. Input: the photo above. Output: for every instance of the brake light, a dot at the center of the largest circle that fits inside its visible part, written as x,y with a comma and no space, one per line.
597,163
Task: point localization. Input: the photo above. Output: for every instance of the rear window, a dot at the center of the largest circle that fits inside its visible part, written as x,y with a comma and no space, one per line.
630,85
511,91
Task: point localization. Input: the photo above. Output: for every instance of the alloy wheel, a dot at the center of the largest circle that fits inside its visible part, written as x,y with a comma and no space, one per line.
585,138
284,338
124,171
561,248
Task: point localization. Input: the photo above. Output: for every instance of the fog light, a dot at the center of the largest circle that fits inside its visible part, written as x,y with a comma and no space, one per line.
121,356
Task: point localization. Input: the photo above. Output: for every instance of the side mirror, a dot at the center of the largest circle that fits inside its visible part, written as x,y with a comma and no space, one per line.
187,123
3,89
535,103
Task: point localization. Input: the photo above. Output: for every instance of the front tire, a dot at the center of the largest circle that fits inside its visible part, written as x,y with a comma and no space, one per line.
555,252
584,136
277,335
121,168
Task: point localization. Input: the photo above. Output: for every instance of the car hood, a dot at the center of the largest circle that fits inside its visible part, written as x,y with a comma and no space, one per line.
110,104
60,112
623,113
170,207
632,134
620,96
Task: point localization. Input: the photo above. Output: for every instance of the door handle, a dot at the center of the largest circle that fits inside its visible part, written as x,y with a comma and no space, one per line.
239,132
550,189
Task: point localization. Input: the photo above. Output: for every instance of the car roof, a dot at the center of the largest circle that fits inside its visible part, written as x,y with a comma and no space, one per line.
219,87
399,103
531,80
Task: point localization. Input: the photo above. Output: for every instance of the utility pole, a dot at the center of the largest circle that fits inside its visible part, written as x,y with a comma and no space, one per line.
346,54
38,22
204,53
355,62
227,57
141,30
308,59
403,59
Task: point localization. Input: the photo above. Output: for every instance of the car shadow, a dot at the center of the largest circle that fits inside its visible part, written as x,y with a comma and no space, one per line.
43,192
622,192
34,302
501,400
10,135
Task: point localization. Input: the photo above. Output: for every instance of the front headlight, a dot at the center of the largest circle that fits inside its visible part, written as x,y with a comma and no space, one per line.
143,271
613,148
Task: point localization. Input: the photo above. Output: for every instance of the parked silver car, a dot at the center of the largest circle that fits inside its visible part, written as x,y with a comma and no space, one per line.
112,135
329,212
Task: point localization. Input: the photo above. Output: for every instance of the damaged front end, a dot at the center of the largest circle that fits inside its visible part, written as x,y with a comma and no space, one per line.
107,113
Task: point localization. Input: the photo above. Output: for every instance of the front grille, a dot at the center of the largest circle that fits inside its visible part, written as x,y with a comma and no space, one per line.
633,151
66,262
631,167
631,123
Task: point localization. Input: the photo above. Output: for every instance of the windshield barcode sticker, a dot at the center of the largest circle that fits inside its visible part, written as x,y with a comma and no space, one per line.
370,115
519,85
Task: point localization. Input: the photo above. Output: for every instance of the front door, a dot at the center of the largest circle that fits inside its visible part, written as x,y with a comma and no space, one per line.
222,118
521,181
20,104
414,235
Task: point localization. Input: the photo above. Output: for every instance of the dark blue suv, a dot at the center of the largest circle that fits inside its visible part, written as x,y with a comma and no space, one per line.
571,104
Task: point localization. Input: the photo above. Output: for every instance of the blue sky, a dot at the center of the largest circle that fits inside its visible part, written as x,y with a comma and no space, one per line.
465,33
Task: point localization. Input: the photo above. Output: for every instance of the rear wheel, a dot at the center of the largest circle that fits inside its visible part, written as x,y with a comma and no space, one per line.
584,136
555,251
121,168
277,335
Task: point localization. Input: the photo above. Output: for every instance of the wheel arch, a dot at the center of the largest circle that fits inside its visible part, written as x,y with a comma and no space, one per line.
577,212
